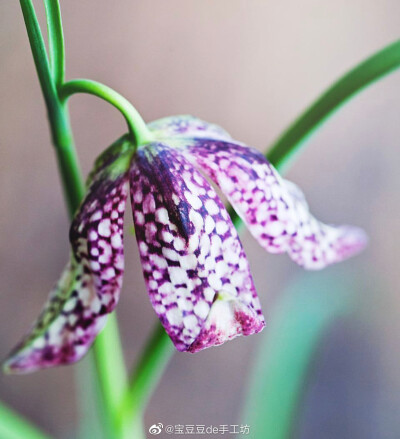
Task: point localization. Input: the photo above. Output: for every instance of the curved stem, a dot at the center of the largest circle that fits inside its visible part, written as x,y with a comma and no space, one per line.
137,127
56,40
14,426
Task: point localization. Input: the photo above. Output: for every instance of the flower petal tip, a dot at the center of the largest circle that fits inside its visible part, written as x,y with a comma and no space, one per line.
7,367
352,241
228,319
20,365
39,356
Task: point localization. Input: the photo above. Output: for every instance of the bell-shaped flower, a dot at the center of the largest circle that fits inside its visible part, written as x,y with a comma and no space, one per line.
196,272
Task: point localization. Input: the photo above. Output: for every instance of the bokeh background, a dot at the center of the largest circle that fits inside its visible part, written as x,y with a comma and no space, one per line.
250,66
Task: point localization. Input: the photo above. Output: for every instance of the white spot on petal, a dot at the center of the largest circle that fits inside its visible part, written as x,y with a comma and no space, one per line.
116,240
96,216
174,316
222,227
209,294
201,309
109,273
215,281
188,262
179,243
190,321
196,219
193,243
178,275
162,215
104,228
193,200
170,254
209,225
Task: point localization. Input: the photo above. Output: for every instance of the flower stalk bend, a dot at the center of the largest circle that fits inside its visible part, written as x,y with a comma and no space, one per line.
137,127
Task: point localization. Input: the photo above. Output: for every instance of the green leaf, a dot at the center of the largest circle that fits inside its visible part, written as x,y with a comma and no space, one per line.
288,348
14,426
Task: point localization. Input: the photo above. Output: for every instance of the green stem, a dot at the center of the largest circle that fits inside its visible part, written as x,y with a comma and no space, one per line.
14,426
110,368
137,127
110,365
145,377
57,112
56,41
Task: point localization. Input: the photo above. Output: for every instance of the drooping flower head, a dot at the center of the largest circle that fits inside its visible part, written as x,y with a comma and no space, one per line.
196,272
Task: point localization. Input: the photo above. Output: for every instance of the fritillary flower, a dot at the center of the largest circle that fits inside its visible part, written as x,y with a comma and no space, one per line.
196,271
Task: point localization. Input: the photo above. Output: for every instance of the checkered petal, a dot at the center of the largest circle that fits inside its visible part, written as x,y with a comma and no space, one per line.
89,287
274,209
187,126
195,268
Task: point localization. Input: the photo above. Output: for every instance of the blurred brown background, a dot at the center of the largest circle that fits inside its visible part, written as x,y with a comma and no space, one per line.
250,66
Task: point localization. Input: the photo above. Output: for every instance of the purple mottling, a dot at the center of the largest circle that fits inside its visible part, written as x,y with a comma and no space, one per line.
89,286
196,272
189,248
187,126
274,209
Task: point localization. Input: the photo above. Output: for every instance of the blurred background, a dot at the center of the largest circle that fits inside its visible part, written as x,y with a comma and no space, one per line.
252,67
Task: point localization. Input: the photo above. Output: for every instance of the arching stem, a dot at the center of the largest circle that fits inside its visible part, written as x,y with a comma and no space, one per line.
137,127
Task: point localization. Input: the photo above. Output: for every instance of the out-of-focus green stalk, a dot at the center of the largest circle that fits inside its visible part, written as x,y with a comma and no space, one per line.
14,426
110,366
145,377
304,314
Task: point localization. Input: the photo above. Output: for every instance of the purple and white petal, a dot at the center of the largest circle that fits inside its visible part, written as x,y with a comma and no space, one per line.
274,209
188,127
90,285
195,268
62,333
